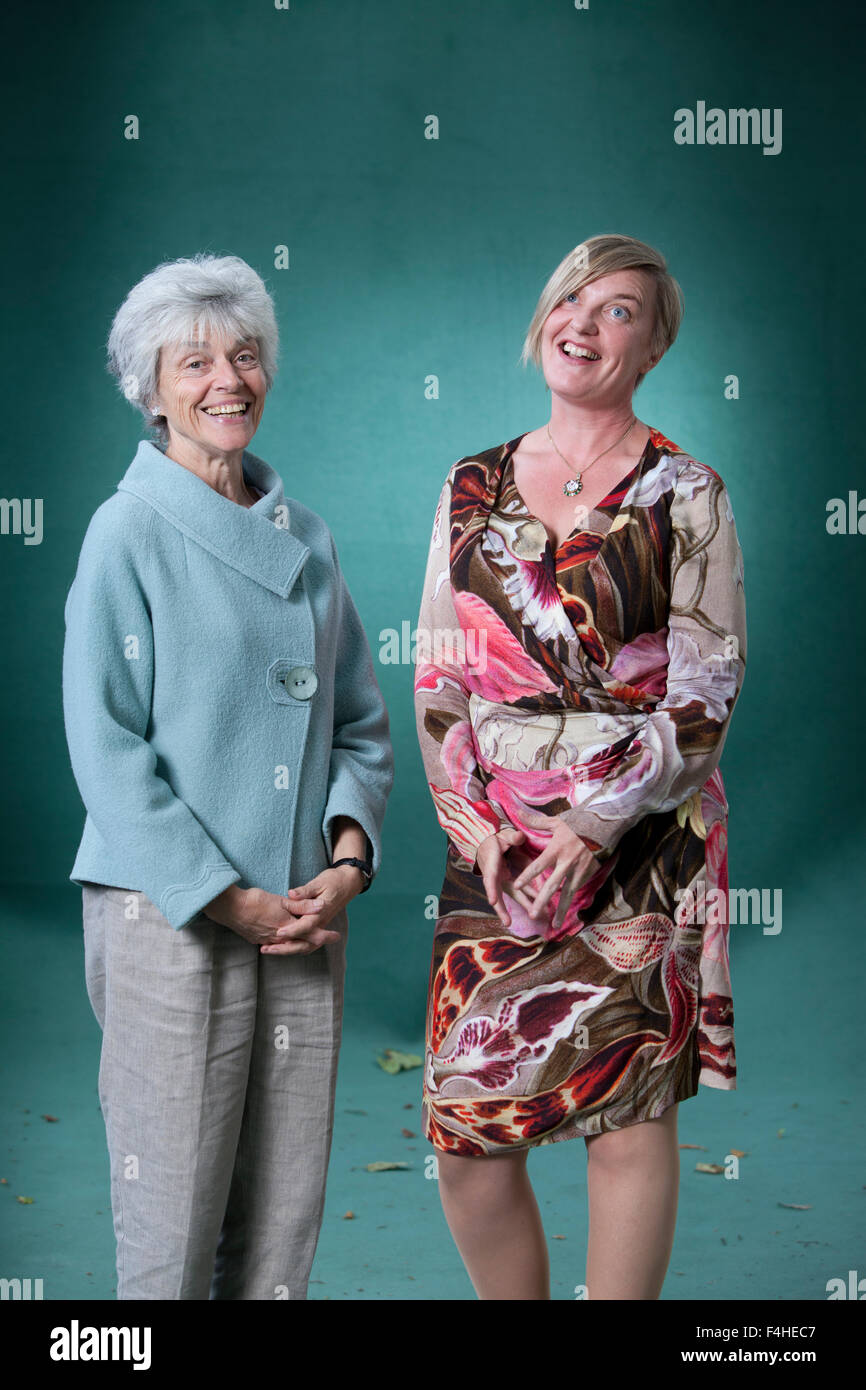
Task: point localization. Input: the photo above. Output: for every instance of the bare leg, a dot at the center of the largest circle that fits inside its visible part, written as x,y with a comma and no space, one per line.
494,1219
633,1177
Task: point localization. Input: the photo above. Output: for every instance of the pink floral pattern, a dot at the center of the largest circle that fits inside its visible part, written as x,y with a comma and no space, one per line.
593,685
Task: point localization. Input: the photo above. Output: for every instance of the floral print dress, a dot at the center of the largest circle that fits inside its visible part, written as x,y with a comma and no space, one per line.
593,685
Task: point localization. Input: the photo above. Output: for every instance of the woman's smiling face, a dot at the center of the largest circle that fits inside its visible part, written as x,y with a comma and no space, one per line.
597,341
212,393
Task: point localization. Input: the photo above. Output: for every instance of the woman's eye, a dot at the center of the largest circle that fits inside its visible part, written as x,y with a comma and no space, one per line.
571,299
619,309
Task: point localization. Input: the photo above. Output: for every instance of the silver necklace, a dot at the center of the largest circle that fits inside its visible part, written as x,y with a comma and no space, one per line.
572,486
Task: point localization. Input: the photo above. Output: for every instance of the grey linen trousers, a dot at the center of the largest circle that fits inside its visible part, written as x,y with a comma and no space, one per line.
216,1082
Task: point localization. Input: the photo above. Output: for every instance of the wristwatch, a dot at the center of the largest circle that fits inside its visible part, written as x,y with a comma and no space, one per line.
365,865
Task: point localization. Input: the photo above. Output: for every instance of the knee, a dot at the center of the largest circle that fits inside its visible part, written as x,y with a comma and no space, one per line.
477,1176
457,1172
636,1146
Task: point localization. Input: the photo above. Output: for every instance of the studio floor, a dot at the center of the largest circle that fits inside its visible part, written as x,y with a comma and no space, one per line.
797,1116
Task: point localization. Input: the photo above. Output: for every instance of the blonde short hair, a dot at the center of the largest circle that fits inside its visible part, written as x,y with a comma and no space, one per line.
589,261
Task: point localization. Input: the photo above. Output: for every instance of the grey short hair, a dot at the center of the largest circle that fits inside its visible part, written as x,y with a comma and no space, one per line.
215,294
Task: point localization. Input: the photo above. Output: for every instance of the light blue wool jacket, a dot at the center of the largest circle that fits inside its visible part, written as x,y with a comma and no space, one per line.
219,696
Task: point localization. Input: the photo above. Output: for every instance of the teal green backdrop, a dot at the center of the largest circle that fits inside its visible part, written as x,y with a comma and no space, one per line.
409,257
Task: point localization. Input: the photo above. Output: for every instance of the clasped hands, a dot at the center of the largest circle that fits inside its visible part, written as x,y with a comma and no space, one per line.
260,917
565,855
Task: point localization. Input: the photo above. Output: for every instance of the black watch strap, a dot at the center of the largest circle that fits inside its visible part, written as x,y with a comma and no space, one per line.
364,865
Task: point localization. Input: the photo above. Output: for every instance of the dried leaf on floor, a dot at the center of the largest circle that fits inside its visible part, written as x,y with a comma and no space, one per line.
393,1061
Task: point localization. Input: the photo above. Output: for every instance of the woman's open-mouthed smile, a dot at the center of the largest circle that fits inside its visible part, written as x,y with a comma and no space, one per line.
600,337
578,352
213,393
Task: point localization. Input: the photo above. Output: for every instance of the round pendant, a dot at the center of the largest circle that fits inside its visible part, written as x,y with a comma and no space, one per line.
572,487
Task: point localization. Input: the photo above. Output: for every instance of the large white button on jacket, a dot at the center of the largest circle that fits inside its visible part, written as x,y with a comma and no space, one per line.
219,694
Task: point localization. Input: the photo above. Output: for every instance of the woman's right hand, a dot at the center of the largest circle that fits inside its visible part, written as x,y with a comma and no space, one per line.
256,914
490,858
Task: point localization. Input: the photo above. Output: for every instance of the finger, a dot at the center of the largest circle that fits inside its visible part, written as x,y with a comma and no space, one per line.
288,948
302,945
490,873
555,877
494,897
496,880
512,835
532,870
569,887
307,889
518,894
295,948
295,896
300,928
304,905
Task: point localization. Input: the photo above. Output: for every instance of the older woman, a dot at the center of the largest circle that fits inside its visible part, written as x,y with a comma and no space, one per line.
581,646
231,747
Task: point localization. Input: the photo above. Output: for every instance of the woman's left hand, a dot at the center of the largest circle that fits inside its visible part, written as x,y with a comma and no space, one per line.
567,857
316,902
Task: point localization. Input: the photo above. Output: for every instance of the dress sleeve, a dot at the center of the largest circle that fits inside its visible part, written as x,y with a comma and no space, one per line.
442,704
680,745
361,769
108,667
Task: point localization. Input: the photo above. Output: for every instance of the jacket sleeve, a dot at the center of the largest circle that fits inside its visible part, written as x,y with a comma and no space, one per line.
442,704
361,770
108,664
679,746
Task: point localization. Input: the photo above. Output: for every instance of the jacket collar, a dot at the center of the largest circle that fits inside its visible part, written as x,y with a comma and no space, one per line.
256,540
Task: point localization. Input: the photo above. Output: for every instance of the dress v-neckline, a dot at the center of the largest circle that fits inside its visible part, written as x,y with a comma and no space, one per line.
623,485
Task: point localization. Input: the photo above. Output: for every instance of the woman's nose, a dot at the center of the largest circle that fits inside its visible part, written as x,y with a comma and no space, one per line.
226,374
